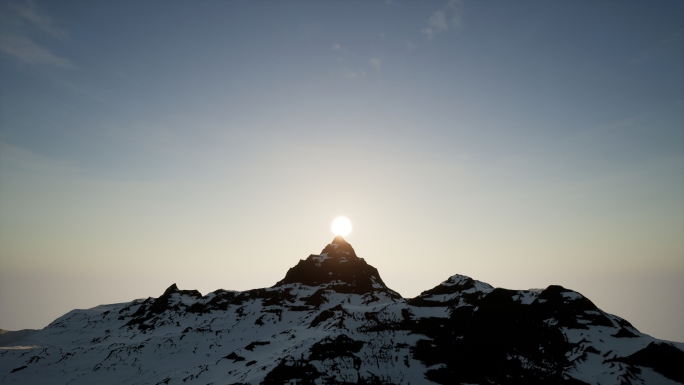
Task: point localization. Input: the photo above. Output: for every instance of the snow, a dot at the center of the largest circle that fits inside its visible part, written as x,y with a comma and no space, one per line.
649,376
98,346
320,258
600,337
526,297
572,295
191,346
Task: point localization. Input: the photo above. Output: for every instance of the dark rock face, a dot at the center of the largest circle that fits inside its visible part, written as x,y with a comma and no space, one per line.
338,266
169,301
332,320
485,343
340,346
662,357
290,369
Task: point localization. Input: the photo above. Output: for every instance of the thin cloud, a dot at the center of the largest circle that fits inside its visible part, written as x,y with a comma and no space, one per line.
438,21
122,76
350,74
25,50
450,17
347,73
39,20
15,40
376,63
338,47
427,31
411,46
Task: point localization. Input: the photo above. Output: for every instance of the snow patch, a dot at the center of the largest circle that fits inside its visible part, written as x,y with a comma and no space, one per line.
320,258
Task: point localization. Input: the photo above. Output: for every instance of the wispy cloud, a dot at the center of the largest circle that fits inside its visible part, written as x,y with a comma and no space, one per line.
25,50
18,40
351,74
450,17
123,76
338,47
376,63
28,11
411,46
347,73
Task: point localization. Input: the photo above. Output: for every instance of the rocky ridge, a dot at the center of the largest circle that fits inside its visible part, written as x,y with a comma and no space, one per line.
332,320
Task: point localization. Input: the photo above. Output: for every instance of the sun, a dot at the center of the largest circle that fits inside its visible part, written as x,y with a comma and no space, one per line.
341,226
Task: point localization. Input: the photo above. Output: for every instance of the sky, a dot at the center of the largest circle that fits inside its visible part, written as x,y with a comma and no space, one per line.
211,144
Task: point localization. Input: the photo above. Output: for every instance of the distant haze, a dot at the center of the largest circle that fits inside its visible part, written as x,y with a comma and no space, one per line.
211,144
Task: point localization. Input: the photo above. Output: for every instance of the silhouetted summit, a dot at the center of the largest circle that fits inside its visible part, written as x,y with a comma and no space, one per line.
339,247
338,266
332,320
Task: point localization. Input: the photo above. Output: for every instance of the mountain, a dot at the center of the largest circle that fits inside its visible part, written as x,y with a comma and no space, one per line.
332,320
8,337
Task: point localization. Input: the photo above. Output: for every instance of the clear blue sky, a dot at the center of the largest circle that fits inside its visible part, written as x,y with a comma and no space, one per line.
211,144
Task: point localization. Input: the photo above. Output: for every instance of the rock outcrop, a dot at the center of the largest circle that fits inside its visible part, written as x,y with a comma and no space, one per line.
332,320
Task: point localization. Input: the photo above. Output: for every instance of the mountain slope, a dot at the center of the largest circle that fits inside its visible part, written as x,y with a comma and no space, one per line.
332,320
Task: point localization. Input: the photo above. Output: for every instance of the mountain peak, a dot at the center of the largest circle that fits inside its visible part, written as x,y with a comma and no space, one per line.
331,320
337,267
338,240
339,248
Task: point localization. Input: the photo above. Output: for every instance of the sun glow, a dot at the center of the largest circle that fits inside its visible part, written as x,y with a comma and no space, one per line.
341,226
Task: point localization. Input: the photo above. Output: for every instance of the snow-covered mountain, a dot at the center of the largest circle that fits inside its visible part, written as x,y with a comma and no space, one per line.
332,320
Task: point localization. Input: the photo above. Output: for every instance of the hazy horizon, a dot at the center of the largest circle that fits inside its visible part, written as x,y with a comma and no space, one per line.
211,144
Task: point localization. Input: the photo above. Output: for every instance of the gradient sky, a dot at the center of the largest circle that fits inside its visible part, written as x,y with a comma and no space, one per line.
211,144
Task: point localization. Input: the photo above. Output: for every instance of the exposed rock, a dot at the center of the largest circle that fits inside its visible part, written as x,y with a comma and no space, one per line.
332,320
